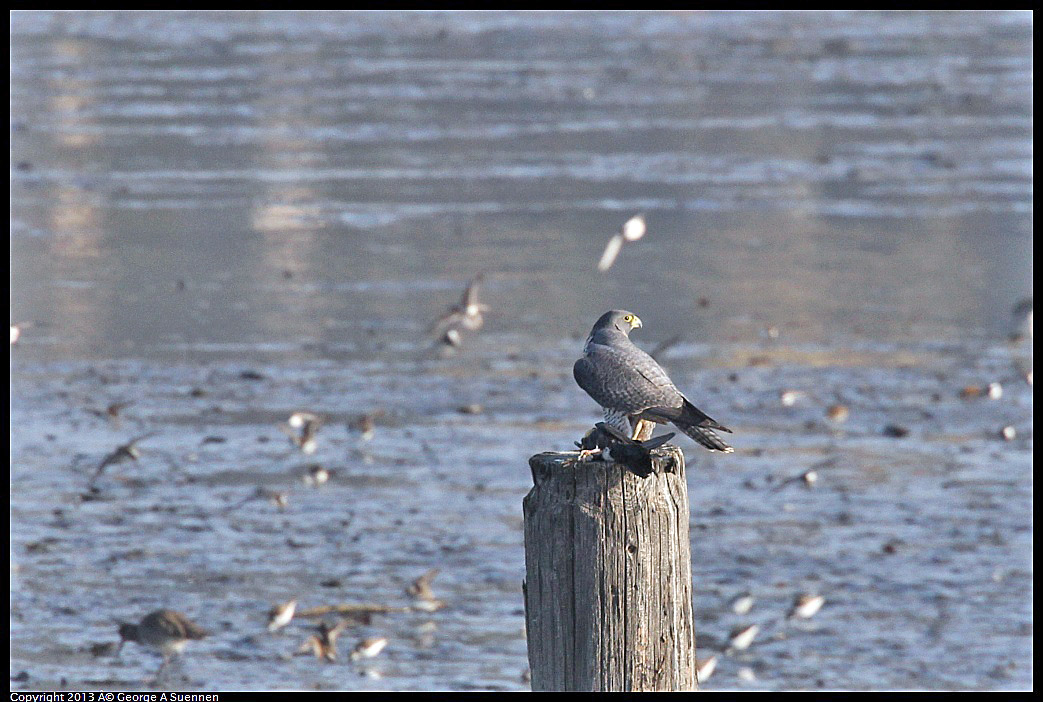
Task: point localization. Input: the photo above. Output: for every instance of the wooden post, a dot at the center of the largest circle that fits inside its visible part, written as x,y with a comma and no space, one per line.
608,590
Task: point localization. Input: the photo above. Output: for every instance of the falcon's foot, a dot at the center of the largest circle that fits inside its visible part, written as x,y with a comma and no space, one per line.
588,454
643,430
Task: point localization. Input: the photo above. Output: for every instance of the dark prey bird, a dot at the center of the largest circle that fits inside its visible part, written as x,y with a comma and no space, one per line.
613,445
630,386
466,314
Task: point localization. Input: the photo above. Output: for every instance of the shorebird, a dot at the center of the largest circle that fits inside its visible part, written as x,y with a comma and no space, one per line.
742,603
368,648
165,630
806,606
112,412
301,428
838,413
466,314
422,594
324,643
742,636
277,498
633,229
808,477
704,669
125,452
281,614
315,475
362,427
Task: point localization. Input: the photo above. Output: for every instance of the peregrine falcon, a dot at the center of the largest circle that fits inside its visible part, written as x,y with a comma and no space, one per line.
630,385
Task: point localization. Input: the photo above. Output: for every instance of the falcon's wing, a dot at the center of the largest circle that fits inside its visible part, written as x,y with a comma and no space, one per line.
625,379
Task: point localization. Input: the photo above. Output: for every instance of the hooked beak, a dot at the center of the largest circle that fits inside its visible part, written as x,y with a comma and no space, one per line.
636,324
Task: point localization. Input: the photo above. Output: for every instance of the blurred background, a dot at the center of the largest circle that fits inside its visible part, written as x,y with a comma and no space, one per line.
220,219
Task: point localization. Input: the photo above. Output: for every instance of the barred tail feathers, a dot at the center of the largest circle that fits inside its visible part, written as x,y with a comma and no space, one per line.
704,437
699,426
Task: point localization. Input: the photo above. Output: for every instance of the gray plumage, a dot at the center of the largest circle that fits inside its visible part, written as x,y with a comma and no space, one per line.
629,384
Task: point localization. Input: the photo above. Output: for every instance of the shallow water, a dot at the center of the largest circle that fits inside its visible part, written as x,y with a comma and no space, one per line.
838,204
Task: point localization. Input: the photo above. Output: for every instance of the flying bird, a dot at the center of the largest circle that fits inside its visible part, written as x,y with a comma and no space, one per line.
423,596
323,644
632,230
278,498
631,387
466,314
125,452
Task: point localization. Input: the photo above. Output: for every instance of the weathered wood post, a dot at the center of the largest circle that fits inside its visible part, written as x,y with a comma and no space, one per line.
608,590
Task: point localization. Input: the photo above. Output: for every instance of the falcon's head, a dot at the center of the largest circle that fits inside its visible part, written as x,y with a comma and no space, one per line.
620,320
614,321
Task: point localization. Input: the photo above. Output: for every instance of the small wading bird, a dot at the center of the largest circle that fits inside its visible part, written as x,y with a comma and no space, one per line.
613,445
633,229
281,614
277,498
314,474
324,643
363,427
301,428
742,636
742,603
806,606
631,387
704,668
368,648
165,630
112,412
125,452
465,315
423,596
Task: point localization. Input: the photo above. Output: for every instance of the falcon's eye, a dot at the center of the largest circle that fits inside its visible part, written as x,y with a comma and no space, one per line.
629,318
